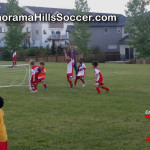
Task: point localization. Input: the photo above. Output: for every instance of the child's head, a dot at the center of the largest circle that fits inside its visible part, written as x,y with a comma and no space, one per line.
80,60
42,63
32,63
69,56
94,64
1,102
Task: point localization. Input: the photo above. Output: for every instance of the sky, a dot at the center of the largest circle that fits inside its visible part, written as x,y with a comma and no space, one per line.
102,6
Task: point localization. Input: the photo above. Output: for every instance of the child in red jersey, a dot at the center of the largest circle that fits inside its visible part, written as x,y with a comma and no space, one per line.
98,78
34,76
42,74
70,63
81,72
14,59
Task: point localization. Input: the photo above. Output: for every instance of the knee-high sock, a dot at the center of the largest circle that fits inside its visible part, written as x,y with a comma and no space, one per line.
82,81
75,82
45,86
98,90
105,88
70,82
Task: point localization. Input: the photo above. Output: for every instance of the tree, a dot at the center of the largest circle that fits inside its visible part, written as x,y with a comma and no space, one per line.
138,26
80,33
14,34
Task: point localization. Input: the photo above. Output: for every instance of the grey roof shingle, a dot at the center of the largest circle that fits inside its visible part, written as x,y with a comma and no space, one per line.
121,20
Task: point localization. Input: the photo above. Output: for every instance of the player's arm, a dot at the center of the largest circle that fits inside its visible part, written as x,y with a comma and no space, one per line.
65,54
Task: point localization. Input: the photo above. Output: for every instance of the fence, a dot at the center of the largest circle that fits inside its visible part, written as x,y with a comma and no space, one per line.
88,57
143,61
51,58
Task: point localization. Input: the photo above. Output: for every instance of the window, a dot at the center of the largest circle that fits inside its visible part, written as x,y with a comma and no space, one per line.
112,47
2,30
56,25
118,30
37,31
44,32
53,32
106,30
28,29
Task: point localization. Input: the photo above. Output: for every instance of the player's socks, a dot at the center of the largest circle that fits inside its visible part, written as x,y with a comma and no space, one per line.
98,90
105,88
83,81
45,86
71,85
75,82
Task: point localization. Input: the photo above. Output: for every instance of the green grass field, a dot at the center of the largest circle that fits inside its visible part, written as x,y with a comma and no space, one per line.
80,119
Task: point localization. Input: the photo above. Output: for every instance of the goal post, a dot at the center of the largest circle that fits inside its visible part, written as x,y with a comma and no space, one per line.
14,76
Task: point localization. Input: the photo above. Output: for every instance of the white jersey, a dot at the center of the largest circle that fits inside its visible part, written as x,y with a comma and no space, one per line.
97,73
34,70
70,66
81,69
14,54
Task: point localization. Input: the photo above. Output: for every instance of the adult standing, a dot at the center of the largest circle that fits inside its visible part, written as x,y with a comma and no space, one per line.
74,54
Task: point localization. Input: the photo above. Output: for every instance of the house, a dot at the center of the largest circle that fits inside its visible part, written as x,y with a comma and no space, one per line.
47,33
3,29
109,36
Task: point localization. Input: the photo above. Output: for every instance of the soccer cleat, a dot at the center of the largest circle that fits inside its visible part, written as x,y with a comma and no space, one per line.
107,90
46,88
83,85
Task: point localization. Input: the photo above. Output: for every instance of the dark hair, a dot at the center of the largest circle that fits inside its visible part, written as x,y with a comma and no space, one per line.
42,63
1,102
95,63
81,59
32,62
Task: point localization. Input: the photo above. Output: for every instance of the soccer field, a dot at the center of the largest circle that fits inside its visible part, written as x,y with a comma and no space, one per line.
80,119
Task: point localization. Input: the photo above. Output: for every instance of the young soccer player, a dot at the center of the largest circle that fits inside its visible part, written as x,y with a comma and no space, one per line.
98,78
34,76
14,60
3,134
81,72
42,74
70,63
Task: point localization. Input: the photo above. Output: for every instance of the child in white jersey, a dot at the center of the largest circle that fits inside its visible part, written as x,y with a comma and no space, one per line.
70,63
81,72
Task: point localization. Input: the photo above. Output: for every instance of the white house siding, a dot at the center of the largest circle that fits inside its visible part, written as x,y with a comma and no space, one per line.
2,34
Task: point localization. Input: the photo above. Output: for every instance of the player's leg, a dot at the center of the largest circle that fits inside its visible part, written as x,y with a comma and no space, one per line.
105,88
69,79
44,84
82,79
75,82
97,87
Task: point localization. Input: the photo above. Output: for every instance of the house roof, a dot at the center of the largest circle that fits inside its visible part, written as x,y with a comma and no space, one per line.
39,10
124,40
3,12
121,20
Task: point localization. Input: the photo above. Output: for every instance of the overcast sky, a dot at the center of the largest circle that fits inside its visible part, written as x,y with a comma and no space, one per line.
104,6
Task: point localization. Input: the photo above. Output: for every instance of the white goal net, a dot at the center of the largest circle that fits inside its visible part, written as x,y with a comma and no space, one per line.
14,76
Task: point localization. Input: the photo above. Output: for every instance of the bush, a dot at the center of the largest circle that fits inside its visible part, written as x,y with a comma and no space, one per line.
59,50
6,55
32,52
47,50
100,57
95,49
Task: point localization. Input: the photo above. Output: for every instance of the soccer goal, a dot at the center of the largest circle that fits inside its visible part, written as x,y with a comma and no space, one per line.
14,76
